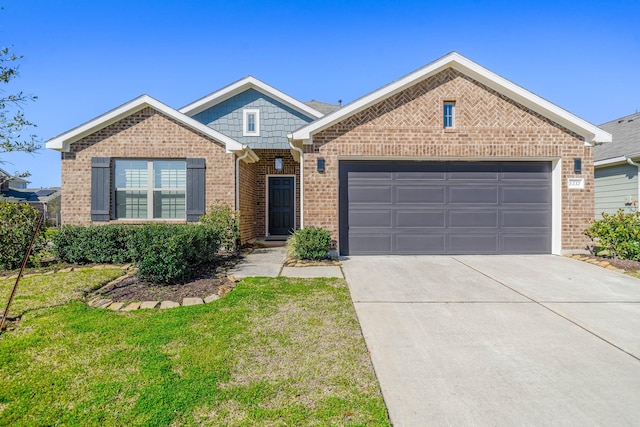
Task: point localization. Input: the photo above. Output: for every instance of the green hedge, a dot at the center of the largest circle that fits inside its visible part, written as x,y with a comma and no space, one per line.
95,244
311,243
170,253
226,222
164,253
617,235
17,223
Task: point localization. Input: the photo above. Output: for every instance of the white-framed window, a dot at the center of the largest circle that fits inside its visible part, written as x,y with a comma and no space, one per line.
449,111
150,189
251,122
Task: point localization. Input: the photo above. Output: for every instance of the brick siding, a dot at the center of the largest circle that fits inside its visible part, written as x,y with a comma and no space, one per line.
488,126
249,227
147,134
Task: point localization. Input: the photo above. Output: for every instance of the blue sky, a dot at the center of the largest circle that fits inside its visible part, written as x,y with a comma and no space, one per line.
83,58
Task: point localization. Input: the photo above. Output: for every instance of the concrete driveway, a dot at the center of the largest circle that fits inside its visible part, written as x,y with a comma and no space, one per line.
500,340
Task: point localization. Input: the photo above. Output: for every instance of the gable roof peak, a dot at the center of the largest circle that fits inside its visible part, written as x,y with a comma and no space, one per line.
239,86
64,140
456,61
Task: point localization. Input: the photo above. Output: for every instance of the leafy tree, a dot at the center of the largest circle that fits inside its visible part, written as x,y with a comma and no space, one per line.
13,124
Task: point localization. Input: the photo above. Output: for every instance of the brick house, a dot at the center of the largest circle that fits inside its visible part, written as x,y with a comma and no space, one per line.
451,158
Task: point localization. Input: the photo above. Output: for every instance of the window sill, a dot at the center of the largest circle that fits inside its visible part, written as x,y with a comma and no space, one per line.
450,130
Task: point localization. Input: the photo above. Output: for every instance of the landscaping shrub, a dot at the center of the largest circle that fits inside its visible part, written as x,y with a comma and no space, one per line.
164,253
17,224
311,243
171,253
618,234
95,244
226,222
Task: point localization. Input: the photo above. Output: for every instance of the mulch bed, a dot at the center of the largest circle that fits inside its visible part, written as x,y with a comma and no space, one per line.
623,264
209,280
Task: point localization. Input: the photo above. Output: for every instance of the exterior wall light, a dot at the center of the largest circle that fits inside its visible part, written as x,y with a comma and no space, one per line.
320,164
577,165
278,164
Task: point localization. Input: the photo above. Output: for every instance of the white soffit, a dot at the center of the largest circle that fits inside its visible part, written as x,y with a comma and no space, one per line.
591,133
62,142
242,85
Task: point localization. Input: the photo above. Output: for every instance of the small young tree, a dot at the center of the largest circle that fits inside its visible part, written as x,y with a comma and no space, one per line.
13,123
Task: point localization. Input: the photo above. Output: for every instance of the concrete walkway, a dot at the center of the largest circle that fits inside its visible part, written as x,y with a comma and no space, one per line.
500,340
267,262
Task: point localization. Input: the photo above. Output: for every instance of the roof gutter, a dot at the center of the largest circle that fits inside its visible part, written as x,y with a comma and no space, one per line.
620,159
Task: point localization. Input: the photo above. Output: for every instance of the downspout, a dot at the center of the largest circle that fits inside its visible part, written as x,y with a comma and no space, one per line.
246,153
632,163
299,150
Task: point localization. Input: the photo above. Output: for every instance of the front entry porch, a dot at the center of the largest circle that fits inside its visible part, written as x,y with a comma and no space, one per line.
269,195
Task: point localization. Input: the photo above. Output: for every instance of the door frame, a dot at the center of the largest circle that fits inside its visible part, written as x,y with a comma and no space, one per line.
556,186
268,207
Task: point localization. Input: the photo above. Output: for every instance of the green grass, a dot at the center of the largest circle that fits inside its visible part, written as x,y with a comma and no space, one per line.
272,352
47,290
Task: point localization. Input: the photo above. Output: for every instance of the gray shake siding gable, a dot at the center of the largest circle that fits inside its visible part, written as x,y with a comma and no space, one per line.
276,119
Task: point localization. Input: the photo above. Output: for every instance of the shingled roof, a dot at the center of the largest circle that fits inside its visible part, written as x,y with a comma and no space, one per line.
626,138
323,107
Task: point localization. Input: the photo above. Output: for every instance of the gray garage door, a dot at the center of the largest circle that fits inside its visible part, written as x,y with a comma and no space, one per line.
398,207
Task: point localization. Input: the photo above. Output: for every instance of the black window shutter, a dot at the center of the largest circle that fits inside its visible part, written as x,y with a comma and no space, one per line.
195,189
100,188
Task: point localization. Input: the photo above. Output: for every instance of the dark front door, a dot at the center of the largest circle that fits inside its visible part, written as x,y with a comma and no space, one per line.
282,210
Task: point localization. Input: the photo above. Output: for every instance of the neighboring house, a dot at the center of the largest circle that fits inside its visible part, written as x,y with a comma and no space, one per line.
616,167
449,159
45,200
12,181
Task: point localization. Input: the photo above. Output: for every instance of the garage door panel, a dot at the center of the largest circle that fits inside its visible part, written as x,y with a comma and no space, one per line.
408,207
534,243
473,170
522,194
370,243
469,195
367,218
473,219
362,194
421,176
469,243
366,176
420,194
526,218
420,244
420,219
526,171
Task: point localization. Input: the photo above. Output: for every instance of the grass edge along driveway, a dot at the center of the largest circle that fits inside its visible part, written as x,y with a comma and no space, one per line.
274,351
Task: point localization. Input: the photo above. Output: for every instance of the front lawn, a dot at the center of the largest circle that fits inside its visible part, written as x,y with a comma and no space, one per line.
36,291
272,352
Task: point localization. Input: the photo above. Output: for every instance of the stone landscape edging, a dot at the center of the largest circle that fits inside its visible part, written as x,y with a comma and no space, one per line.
595,261
107,303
